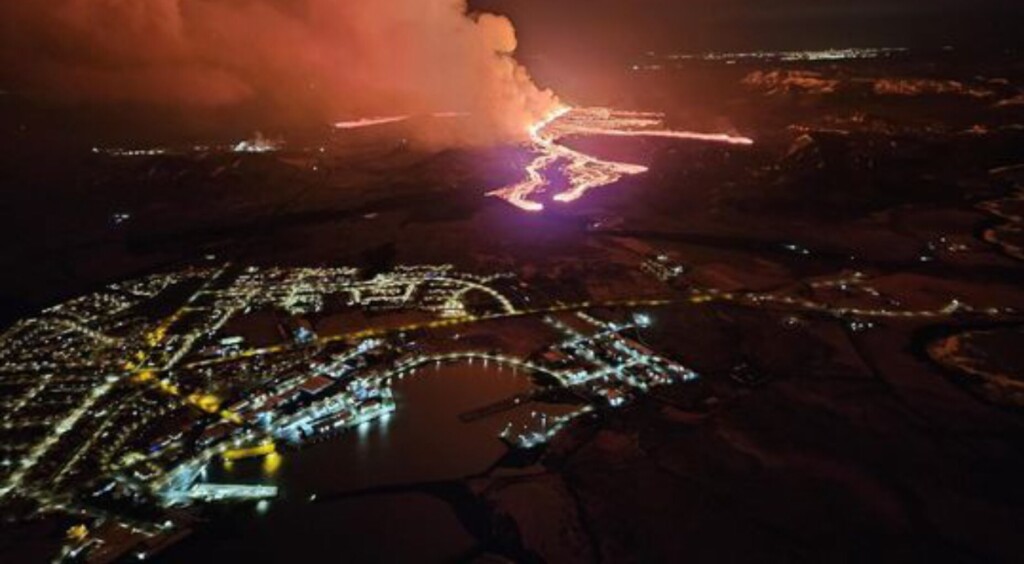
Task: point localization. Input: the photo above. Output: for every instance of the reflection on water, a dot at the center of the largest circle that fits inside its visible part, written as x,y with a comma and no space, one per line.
423,441
271,463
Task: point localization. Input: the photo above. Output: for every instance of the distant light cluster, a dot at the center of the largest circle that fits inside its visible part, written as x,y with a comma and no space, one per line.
118,152
258,144
847,54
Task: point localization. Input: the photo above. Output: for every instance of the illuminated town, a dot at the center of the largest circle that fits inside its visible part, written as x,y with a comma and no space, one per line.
123,395
122,399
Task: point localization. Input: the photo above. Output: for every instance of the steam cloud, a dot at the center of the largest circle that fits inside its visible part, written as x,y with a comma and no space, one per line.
321,59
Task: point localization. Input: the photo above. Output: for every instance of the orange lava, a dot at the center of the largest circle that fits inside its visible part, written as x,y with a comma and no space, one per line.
584,171
369,122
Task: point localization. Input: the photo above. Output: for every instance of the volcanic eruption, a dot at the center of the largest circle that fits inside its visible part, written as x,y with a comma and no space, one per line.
585,171
353,64
294,61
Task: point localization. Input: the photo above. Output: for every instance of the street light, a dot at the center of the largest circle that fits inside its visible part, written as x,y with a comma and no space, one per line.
642,320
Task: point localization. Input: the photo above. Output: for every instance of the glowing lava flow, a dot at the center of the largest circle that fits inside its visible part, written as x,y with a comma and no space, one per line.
375,121
584,171
369,122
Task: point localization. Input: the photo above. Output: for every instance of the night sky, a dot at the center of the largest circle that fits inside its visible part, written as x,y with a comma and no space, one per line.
625,27
230,64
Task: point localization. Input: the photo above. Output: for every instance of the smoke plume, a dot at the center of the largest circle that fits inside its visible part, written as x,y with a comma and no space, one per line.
300,59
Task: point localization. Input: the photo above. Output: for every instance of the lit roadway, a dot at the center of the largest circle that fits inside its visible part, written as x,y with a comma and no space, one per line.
434,324
694,297
413,364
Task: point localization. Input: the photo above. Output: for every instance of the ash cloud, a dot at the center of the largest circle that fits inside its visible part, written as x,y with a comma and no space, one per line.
297,60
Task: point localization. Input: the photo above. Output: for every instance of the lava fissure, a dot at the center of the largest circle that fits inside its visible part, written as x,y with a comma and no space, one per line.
584,171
